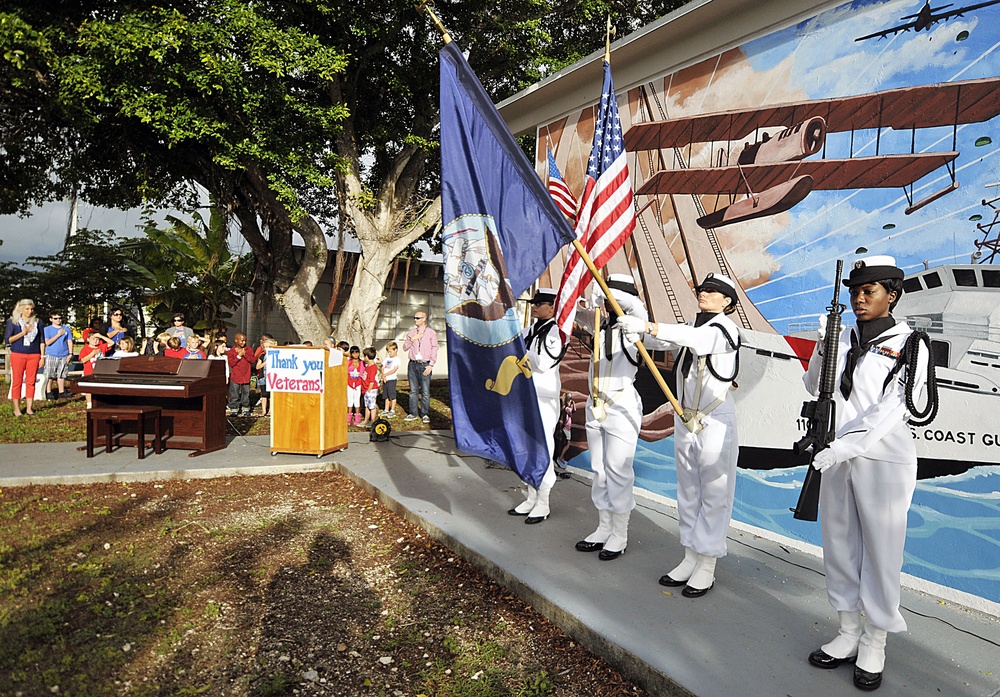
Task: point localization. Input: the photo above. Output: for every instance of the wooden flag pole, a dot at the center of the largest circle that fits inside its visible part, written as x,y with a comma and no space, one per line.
425,6
647,359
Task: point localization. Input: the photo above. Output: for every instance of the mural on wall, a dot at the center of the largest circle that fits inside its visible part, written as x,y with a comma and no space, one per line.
768,163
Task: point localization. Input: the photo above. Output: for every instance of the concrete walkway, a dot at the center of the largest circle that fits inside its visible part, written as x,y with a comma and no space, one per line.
749,636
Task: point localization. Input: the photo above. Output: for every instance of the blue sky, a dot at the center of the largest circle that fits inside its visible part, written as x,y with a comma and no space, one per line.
820,58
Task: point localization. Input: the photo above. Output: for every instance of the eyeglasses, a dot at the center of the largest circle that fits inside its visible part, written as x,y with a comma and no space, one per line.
177,319
116,314
419,317
55,317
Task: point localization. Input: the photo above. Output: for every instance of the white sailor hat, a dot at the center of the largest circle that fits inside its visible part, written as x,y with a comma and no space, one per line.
721,284
622,282
542,296
873,269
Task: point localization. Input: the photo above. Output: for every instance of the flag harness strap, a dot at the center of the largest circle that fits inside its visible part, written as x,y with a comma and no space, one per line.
691,416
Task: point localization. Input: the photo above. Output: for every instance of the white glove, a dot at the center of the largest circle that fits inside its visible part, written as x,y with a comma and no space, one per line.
631,325
596,296
824,460
821,332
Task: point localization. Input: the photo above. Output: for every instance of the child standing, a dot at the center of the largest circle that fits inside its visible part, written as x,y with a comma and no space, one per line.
89,355
390,368
266,341
566,426
355,381
174,349
370,387
193,349
218,353
241,363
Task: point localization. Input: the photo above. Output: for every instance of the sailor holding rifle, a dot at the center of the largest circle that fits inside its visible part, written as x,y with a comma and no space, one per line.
870,469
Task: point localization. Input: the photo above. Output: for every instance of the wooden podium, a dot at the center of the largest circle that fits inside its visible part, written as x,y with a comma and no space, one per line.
308,400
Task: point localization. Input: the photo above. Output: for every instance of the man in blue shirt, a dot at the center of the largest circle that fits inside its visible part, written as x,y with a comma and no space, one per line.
58,349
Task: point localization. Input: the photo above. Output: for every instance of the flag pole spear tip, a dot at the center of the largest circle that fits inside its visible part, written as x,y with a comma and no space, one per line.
425,6
607,41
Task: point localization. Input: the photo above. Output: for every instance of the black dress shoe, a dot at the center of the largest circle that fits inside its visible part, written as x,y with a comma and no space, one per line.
584,546
516,512
863,680
665,580
821,659
535,519
690,592
608,555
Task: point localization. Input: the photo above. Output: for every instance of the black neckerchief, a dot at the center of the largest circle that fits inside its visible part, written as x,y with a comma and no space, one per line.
700,319
863,337
535,330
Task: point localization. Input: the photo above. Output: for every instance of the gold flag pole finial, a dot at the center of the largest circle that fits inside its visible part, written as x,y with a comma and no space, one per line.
607,41
425,6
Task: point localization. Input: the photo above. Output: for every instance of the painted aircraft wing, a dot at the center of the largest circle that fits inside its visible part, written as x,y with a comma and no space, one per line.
891,30
958,12
883,171
924,106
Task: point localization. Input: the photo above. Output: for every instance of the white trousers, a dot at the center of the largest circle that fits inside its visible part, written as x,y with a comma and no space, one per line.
550,410
706,482
612,449
863,505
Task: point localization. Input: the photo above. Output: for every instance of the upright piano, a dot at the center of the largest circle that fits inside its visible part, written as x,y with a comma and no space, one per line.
192,395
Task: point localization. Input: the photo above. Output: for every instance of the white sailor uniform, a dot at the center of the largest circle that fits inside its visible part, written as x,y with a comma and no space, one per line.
706,460
544,346
612,428
864,498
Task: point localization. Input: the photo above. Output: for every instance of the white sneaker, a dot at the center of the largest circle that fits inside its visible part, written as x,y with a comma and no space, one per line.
427,419
411,417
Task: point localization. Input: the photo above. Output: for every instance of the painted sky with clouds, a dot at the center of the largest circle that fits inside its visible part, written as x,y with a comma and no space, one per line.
819,58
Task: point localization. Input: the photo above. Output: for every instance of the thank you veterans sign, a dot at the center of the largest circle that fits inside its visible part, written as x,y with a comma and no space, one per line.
295,370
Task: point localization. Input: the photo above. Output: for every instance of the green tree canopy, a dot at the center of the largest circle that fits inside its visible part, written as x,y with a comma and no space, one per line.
290,114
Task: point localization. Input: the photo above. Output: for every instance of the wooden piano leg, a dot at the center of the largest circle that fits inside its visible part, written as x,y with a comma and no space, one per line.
108,430
90,436
141,442
157,433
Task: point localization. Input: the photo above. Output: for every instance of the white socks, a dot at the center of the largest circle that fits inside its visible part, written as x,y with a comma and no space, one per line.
541,507
704,573
525,506
618,539
683,571
871,649
603,531
845,644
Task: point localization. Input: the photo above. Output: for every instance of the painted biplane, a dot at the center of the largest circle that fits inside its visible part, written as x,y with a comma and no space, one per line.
926,18
774,174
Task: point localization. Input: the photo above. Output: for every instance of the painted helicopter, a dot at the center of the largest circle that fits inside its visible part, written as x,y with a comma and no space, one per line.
926,18
772,174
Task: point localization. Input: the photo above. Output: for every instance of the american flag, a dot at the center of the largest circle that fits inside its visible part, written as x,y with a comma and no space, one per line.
561,195
607,216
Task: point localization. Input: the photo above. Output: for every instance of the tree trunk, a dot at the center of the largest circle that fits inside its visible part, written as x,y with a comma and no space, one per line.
361,311
305,315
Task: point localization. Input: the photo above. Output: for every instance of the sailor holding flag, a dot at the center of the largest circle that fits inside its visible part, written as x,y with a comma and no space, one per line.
705,446
545,350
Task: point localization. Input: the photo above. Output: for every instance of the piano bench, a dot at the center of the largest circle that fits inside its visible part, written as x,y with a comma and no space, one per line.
106,417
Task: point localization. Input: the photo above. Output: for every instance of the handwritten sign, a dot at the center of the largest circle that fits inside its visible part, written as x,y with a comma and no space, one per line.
295,370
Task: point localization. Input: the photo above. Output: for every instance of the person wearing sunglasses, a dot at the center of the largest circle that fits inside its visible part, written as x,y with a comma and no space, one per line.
179,330
421,345
117,329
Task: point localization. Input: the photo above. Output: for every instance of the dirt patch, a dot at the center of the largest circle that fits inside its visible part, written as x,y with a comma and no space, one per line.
291,584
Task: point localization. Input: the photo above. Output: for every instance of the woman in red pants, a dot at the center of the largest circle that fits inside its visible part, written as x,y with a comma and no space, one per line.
25,339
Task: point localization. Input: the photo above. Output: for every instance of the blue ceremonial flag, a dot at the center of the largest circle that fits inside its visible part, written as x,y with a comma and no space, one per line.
501,229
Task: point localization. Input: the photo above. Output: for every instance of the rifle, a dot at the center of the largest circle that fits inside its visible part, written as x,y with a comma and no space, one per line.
821,414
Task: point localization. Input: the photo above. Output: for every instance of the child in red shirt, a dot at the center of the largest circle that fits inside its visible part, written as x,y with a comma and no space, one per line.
89,355
174,349
369,386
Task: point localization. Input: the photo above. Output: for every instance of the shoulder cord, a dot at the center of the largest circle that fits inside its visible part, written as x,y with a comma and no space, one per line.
733,345
908,357
634,361
542,335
